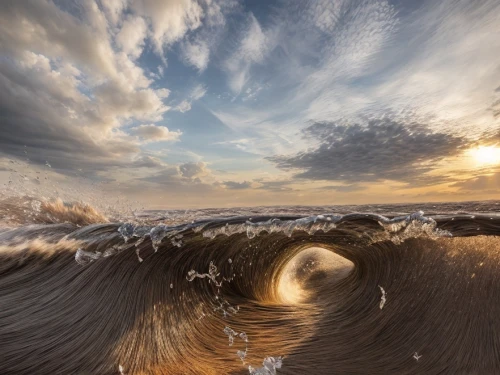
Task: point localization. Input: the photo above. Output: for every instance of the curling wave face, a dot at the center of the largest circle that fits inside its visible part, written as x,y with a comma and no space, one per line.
267,294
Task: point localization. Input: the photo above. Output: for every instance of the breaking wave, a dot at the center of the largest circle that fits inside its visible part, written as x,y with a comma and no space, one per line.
262,294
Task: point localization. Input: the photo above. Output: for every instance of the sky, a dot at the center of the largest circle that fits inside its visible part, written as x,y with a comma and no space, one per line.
206,103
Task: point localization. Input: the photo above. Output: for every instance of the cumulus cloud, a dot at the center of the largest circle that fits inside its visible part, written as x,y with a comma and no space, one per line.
119,100
190,176
43,50
380,150
131,36
170,20
43,110
79,77
148,161
114,10
154,133
163,93
194,169
67,87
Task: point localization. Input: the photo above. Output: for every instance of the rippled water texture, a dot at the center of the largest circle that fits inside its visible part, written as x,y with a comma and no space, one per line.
293,293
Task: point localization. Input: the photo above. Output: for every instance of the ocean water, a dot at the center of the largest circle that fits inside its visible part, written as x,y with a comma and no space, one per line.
379,289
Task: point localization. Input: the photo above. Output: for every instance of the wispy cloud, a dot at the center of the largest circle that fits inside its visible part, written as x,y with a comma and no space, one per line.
197,93
483,183
183,106
253,48
234,185
343,188
196,53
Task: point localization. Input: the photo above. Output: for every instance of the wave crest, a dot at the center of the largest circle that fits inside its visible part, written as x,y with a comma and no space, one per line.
151,298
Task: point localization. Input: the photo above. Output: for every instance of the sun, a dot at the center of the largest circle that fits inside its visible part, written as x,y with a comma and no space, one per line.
486,154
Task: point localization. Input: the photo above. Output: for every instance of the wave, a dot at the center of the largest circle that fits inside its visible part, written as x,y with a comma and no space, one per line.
263,294
30,210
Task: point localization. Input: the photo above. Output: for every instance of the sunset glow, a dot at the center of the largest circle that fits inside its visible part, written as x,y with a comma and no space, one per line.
262,187
484,155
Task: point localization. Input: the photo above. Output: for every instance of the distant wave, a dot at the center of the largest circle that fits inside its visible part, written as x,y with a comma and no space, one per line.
264,294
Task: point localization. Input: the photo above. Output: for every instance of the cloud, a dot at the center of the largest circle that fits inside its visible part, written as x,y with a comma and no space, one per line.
153,133
169,20
251,92
132,35
183,106
114,10
344,41
407,63
194,177
194,169
241,144
343,188
81,87
233,185
161,70
67,87
80,43
198,46
69,38
43,110
274,185
197,93
381,150
480,184
331,60
196,53
118,100
253,48
148,161
163,93
168,176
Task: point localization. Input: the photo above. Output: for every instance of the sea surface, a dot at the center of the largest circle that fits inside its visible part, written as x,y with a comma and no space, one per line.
372,289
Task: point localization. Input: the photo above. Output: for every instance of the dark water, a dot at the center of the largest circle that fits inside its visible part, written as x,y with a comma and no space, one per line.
287,292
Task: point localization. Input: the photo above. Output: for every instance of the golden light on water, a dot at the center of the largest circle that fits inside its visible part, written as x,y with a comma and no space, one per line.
484,155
